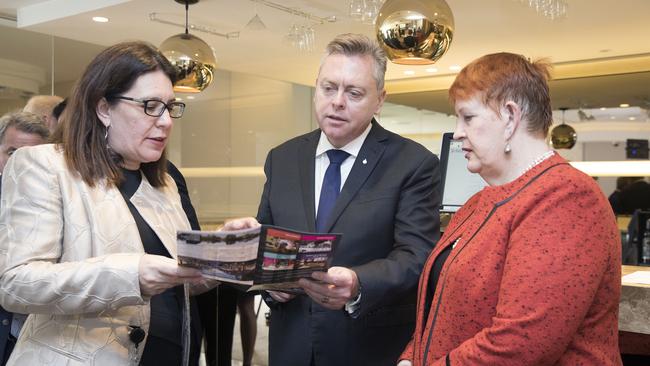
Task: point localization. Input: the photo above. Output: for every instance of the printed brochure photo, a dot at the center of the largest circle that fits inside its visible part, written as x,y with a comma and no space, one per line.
265,258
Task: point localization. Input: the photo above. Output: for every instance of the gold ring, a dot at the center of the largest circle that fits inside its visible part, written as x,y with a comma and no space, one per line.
325,300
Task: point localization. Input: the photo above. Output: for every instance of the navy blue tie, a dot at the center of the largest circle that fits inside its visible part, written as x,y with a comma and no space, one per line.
331,187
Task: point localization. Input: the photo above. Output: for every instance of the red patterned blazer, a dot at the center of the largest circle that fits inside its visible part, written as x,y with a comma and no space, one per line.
533,279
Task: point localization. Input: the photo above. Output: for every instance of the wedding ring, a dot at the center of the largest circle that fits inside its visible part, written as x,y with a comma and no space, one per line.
325,300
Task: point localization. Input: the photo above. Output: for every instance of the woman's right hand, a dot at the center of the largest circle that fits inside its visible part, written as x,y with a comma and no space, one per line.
158,273
240,224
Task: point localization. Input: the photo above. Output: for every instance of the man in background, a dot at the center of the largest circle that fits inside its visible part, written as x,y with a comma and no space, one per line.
20,129
17,129
615,197
43,106
634,196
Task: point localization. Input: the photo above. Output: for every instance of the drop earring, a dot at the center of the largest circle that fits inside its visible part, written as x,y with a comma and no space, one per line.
507,149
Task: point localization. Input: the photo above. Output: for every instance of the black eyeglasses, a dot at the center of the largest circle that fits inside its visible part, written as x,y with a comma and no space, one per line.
156,108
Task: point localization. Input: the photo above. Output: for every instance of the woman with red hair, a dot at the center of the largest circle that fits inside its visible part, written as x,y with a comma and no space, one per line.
528,270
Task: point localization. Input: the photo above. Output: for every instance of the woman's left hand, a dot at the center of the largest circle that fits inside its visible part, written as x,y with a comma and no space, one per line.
158,273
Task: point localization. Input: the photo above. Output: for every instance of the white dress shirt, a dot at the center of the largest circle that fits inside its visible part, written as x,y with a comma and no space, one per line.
322,161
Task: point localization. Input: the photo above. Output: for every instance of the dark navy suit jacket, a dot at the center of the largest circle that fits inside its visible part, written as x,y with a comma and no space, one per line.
388,214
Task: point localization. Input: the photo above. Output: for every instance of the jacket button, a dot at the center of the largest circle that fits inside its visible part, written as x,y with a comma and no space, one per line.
5,321
136,334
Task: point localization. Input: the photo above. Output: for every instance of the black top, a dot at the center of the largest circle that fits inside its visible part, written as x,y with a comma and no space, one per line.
434,276
166,308
195,349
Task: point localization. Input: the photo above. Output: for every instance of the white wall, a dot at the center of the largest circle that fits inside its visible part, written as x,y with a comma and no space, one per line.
423,126
11,105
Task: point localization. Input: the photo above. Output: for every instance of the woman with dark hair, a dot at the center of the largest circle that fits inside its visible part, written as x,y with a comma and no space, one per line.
88,225
528,270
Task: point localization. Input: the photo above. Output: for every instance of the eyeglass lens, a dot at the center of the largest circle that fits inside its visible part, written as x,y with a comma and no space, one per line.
156,108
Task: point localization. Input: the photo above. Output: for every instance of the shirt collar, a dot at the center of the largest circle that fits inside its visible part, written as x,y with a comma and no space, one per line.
353,147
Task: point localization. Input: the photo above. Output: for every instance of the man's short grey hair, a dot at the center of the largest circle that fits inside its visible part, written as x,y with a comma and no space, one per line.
350,44
24,122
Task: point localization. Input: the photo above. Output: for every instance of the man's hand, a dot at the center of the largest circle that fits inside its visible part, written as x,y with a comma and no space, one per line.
337,286
281,296
240,223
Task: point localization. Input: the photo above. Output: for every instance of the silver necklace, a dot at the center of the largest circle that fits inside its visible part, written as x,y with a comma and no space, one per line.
539,159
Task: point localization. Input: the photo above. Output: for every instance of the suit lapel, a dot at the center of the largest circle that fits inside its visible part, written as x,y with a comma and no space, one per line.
306,164
369,155
160,214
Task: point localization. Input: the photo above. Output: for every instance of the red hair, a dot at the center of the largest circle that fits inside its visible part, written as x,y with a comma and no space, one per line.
501,77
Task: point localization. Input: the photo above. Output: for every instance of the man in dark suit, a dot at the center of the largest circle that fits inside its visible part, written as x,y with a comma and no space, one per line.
17,129
362,311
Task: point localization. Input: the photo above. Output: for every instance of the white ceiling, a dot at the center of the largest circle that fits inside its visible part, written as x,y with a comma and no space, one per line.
593,31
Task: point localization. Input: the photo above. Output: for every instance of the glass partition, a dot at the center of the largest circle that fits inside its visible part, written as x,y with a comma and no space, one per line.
222,140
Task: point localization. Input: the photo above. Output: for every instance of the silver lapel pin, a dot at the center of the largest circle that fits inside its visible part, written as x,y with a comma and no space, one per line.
365,161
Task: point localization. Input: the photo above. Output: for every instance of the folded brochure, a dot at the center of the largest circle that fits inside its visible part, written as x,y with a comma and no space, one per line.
265,258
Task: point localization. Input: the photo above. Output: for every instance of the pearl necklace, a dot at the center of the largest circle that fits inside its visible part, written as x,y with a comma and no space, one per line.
539,159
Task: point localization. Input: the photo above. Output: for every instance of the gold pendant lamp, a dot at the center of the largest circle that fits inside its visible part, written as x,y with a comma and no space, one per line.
415,32
193,59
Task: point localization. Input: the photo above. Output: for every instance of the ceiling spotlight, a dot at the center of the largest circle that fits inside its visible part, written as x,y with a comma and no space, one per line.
431,69
409,72
100,19
455,68
624,105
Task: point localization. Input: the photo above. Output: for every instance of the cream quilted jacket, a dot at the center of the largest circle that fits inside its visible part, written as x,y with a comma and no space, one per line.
69,256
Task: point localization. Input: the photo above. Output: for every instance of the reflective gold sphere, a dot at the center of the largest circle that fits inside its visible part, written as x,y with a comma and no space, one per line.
563,137
415,32
193,59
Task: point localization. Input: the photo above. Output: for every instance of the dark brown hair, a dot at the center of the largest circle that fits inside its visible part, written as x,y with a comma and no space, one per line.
504,76
81,133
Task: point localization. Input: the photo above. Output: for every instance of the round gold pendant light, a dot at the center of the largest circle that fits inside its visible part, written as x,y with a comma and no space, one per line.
563,136
415,32
193,59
